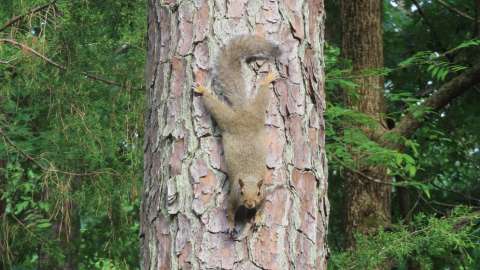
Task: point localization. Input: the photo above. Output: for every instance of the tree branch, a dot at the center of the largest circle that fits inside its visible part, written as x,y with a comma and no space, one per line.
449,91
17,18
53,63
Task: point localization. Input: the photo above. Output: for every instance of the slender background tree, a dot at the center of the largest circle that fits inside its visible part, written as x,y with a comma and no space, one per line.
368,203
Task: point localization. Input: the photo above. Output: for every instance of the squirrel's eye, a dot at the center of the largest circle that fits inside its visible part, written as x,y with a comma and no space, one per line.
258,193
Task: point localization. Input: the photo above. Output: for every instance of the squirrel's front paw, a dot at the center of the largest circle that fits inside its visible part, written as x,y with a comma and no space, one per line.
271,76
200,89
233,233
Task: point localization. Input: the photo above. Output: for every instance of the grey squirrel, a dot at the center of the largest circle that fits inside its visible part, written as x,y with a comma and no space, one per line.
243,121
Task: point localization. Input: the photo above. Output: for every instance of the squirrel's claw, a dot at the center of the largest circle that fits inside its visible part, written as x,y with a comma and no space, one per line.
233,233
200,89
271,76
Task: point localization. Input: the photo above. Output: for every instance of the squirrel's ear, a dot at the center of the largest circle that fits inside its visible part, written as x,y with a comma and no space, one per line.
240,181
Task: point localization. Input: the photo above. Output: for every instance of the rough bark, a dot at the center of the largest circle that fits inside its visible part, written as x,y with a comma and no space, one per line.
183,222
368,203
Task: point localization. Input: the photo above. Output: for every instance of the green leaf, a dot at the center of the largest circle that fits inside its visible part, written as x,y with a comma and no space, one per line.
44,225
412,170
20,207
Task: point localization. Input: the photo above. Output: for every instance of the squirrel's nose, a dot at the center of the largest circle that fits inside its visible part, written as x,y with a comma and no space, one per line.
250,204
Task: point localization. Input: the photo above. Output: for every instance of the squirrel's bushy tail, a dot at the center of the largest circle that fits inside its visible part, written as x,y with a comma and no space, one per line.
228,68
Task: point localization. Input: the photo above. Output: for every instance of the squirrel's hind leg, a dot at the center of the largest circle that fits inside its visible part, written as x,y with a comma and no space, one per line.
260,103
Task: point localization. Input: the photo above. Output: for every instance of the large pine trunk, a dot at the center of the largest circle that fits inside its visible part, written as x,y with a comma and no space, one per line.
368,202
183,220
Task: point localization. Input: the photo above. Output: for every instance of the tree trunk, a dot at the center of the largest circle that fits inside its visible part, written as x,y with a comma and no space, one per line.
183,219
368,203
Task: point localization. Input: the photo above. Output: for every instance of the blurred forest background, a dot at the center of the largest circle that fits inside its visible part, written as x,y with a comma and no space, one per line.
71,136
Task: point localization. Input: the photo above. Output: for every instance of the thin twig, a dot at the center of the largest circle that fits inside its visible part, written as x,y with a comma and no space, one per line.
410,212
455,10
53,63
7,62
40,238
34,160
468,197
11,143
25,47
429,25
371,179
17,18
429,204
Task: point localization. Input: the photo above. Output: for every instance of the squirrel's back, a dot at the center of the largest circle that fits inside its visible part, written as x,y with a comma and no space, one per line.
228,68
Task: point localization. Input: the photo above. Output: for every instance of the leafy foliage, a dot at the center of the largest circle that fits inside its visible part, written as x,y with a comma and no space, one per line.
439,166
437,66
346,121
432,242
71,151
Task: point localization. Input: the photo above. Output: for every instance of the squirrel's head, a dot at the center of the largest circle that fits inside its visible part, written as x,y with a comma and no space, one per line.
251,191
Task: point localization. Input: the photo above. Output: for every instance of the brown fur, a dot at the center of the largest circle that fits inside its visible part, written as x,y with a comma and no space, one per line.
242,124
228,68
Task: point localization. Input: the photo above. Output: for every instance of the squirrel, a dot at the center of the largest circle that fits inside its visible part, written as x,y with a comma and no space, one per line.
242,122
